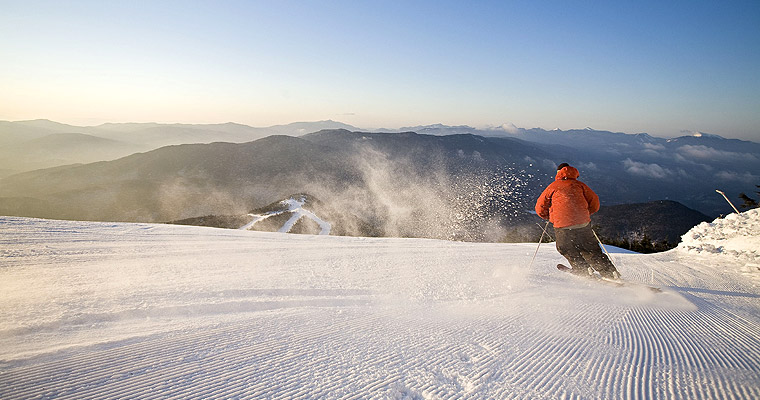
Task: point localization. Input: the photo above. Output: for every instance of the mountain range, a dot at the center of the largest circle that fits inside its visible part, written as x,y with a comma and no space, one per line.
448,182
36,144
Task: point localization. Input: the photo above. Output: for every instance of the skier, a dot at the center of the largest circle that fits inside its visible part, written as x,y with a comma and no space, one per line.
568,204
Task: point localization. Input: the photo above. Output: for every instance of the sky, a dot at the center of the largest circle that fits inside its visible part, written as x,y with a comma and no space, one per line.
664,68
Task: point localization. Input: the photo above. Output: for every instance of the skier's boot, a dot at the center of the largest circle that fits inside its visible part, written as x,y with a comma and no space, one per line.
610,274
580,271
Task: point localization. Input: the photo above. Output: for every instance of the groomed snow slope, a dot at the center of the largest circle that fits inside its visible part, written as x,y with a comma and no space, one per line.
97,310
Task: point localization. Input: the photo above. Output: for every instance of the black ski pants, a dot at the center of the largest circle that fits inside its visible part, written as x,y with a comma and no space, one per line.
582,250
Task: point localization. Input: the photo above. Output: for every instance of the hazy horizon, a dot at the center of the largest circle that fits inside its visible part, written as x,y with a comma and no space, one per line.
659,68
507,128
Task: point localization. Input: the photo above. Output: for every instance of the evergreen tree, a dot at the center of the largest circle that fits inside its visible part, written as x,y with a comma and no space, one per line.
749,202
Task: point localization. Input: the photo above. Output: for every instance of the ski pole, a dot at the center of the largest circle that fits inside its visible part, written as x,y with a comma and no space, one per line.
601,244
729,201
544,229
539,244
605,251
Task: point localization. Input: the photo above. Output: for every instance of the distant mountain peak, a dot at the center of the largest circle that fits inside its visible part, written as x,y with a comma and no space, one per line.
505,127
702,134
434,127
47,124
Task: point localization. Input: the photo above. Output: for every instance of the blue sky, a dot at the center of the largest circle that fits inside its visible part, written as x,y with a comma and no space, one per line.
634,66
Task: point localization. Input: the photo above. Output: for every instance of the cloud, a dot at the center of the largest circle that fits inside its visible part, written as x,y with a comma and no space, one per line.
646,170
736,176
549,164
709,153
683,160
652,146
650,152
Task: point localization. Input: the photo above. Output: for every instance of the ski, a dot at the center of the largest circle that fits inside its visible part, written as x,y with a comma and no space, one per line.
615,282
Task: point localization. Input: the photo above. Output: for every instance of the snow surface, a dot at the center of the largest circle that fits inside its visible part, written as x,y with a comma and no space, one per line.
115,310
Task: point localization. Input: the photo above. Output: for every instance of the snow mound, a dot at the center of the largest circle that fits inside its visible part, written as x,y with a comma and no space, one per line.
736,235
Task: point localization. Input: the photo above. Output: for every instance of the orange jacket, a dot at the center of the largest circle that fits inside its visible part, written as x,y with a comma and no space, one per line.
567,201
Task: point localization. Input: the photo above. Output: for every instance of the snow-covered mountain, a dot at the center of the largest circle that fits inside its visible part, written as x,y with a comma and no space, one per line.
118,310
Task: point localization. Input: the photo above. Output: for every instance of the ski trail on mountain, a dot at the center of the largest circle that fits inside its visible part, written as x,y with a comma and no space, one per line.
256,218
295,206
